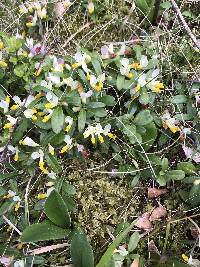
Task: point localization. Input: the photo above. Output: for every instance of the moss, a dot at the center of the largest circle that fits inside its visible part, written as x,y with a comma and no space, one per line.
103,202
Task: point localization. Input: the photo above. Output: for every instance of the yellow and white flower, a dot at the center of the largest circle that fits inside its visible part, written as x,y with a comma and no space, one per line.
52,100
54,79
90,7
85,95
11,123
19,104
13,195
69,121
14,150
68,146
81,60
169,122
40,155
4,104
125,68
97,83
51,149
28,142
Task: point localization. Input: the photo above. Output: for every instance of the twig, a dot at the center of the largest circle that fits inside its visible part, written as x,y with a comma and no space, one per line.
73,35
186,27
11,225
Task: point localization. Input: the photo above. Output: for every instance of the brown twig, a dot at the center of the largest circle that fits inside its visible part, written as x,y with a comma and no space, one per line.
185,25
74,35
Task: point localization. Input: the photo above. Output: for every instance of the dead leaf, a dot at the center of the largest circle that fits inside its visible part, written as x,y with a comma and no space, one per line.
5,261
154,192
152,247
135,263
158,213
143,222
60,8
41,250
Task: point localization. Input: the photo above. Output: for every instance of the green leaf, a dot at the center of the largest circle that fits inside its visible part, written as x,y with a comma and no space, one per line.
56,210
143,117
176,175
43,231
8,175
19,133
97,66
133,242
57,120
81,251
149,136
20,70
13,44
99,112
109,252
96,105
8,251
81,120
178,99
53,163
108,100
194,195
120,82
187,167
142,4
165,164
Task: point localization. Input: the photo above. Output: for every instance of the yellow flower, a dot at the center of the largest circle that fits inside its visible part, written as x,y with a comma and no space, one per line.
14,107
3,64
51,149
49,105
112,136
38,95
1,45
137,88
185,257
91,8
64,149
46,119
93,140
99,86
157,86
136,66
101,139
7,99
41,196
17,206
130,75
8,125
34,118
29,24
68,127
88,76
16,157
42,168
75,65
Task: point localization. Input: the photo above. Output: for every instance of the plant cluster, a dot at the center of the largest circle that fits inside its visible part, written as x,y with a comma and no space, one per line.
114,100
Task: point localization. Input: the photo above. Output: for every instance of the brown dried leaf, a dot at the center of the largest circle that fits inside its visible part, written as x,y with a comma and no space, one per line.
143,222
154,192
135,263
158,213
152,247
41,250
59,9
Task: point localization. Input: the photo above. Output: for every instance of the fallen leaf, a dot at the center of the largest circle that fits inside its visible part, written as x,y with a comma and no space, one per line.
154,192
143,222
5,261
152,247
41,250
135,263
158,213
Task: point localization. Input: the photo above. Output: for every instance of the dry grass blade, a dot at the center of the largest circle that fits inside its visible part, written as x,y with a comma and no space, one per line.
47,249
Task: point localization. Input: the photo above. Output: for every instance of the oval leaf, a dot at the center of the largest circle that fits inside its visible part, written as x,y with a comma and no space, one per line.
133,242
143,118
81,251
81,120
56,210
42,232
57,120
